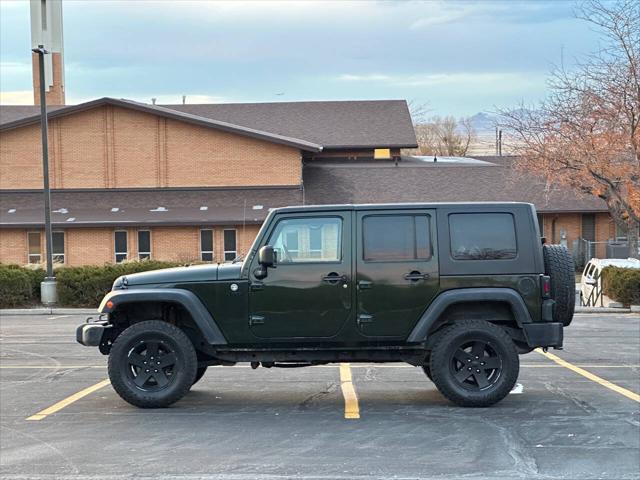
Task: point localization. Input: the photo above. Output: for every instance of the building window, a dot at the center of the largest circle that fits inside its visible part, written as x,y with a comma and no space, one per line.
144,244
230,247
120,239
206,245
541,224
482,236
35,253
396,238
57,249
307,240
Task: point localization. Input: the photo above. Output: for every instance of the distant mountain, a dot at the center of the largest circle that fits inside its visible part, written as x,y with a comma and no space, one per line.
484,123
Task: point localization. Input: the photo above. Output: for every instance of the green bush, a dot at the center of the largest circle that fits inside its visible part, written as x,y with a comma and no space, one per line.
19,286
77,286
622,284
85,286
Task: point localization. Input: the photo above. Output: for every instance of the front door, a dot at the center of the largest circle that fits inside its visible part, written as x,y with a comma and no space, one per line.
309,293
397,270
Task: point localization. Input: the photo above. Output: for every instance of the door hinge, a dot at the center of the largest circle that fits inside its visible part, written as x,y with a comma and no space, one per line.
256,320
364,318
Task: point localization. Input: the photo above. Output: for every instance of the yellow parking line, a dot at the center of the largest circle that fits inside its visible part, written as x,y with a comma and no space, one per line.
68,401
594,378
351,408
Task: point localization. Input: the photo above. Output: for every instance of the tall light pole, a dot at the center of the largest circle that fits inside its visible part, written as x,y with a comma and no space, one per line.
48,291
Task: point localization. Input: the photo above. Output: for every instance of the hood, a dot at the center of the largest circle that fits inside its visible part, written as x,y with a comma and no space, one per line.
192,273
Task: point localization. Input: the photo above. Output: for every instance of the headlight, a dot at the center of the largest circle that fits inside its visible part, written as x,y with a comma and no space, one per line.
120,283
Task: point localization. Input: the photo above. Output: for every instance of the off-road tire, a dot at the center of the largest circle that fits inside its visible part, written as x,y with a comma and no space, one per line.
558,264
199,374
448,342
181,377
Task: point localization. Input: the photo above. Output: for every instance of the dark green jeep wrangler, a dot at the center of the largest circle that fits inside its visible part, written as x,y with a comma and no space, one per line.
459,289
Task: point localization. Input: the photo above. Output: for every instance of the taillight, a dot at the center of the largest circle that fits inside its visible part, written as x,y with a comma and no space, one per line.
546,286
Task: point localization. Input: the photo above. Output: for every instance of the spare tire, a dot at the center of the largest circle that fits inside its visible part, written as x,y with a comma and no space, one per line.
558,264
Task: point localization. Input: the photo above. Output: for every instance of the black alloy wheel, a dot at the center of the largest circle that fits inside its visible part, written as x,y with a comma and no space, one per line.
152,364
474,363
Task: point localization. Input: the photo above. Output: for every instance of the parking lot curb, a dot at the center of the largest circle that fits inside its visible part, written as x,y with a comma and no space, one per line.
597,310
48,311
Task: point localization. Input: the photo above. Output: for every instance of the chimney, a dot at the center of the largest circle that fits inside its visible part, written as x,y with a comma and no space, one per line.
46,29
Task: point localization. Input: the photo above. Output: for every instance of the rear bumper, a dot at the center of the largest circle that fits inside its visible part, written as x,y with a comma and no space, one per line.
544,334
90,334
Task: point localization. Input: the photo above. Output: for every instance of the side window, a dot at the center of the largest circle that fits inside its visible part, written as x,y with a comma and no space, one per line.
482,236
396,238
307,240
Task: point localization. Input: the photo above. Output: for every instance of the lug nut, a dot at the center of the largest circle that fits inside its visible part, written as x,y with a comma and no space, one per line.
469,368
477,371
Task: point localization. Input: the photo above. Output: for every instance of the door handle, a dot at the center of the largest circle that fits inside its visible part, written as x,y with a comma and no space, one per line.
256,320
364,284
333,278
415,276
364,318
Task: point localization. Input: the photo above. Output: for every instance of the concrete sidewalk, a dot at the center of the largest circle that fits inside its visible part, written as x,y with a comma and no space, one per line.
48,311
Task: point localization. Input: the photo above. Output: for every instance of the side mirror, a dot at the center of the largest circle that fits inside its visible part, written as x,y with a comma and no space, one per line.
267,258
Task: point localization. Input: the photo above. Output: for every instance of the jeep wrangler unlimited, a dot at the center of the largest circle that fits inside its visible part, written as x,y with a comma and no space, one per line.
458,289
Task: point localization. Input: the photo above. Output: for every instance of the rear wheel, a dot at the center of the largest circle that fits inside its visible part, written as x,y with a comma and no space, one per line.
152,364
474,363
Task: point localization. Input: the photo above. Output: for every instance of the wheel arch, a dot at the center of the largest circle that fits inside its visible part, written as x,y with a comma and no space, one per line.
503,305
147,304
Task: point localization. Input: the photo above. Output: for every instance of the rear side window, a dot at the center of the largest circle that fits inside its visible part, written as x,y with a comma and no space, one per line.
482,236
396,238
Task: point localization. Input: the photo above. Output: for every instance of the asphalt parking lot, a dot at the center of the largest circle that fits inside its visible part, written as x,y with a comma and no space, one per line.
240,424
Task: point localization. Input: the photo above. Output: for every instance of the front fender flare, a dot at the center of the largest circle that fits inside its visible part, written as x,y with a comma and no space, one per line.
188,300
463,295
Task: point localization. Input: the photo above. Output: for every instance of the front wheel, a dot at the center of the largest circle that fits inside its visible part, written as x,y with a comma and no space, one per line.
152,364
474,363
199,374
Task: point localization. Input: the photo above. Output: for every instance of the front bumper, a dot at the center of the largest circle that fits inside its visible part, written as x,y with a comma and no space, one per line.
90,334
544,334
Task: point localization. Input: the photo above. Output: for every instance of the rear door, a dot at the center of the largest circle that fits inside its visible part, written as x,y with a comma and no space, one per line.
396,270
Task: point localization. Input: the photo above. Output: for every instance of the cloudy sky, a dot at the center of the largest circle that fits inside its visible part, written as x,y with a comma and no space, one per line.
459,57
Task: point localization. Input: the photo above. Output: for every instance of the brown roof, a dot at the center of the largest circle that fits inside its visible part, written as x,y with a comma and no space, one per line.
345,124
418,181
225,206
165,112
307,125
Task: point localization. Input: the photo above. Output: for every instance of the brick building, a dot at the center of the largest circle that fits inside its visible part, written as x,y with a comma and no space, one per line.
174,182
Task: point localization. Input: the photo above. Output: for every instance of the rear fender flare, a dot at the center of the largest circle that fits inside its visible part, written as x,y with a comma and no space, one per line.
463,295
188,300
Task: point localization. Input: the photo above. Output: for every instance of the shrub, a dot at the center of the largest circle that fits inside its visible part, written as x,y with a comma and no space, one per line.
85,286
19,287
622,284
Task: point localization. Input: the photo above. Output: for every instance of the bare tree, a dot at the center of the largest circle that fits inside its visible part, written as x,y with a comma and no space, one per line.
444,136
586,134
